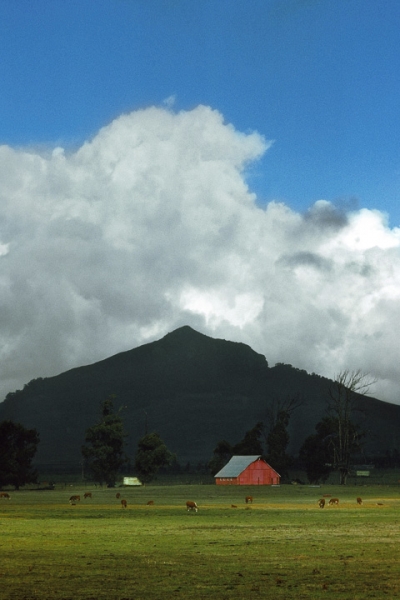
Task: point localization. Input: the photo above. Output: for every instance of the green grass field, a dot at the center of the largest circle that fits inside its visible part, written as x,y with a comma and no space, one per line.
282,546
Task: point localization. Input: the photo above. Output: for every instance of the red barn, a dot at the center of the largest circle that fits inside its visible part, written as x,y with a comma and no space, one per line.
247,470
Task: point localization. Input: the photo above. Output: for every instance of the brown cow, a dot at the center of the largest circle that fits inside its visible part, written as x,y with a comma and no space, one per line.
87,495
150,503
190,505
249,499
233,506
5,495
334,501
118,495
321,503
124,503
359,501
75,499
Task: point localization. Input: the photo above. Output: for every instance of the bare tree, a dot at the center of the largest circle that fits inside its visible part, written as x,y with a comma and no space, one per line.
342,404
278,405
279,412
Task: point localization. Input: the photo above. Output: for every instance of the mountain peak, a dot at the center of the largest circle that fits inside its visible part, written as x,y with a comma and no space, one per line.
184,331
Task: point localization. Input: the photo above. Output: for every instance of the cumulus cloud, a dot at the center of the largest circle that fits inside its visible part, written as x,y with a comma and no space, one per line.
151,225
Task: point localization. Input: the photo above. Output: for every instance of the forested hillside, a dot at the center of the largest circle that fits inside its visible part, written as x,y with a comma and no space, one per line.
192,389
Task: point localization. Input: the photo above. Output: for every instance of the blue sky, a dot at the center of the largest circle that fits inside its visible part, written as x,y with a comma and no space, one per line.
232,165
319,77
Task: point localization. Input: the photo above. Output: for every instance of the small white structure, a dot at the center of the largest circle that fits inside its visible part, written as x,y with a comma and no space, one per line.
131,481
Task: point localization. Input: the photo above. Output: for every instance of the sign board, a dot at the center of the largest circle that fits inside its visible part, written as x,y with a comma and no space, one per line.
362,473
131,481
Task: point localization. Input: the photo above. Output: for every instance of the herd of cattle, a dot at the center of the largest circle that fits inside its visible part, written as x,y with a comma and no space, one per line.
191,505
335,501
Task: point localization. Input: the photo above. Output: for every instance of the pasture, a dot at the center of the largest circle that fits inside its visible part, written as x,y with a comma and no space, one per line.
280,546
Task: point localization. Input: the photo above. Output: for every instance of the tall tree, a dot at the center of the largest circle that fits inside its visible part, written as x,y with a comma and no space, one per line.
341,406
151,455
316,452
104,448
251,443
279,410
277,443
18,446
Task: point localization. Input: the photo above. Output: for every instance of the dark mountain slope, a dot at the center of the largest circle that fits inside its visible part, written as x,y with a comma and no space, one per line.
192,389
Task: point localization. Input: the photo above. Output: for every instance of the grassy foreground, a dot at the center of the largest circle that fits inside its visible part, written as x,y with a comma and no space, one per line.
283,546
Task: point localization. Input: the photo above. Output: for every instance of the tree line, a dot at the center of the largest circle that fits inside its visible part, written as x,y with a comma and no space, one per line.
103,451
336,439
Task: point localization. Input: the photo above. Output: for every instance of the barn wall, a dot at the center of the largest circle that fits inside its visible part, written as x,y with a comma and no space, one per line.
259,473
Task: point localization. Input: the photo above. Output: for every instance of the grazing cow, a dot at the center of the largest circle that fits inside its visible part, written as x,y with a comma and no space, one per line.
75,499
191,505
87,495
249,499
327,495
5,495
118,495
150,503
359,501
334,501
321,503
124,503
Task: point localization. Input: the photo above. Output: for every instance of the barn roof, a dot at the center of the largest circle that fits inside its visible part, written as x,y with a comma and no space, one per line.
236,465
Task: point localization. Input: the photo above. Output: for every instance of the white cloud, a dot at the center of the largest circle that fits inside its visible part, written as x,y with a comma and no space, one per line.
170,101
151,225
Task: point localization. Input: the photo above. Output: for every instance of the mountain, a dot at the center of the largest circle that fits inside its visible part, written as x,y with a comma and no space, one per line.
192,389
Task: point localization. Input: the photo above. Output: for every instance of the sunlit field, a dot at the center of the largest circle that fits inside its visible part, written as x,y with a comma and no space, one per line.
281,546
